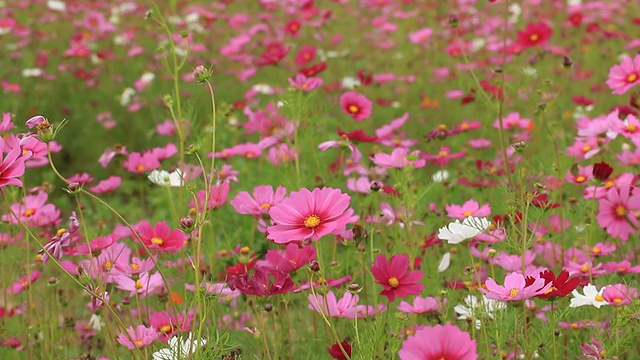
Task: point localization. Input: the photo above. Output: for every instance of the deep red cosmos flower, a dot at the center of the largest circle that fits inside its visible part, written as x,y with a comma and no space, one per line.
337,353
534,34
560,286
602,171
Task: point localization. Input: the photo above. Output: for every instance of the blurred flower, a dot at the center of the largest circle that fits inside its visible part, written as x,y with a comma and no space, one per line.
439,342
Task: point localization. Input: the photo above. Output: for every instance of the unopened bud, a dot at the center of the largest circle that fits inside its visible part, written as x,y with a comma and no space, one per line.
566,62
268,307
187,223
202,74
519,146
354,288
492,252
375,186
454,21
314,265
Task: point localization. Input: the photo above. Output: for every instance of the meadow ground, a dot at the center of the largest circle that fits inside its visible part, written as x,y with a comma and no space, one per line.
299,179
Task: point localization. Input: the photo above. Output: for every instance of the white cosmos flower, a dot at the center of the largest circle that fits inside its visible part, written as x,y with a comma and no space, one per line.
263,89
56,5
349,82
126,96
179,350
445,262
33,72
474,308
165,178
440,176
591,297
457,232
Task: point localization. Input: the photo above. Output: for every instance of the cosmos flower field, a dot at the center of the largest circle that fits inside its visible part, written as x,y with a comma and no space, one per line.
300,179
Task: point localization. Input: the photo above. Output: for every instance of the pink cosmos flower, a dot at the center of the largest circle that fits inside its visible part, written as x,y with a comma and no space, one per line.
469,208
310,215
161,237
140,163
439,342
624,76
623,267
420,36
619,294
138,337
34,210
515,288
356,105
331,307
107,185
13,165
395,277
264,198
306,84
23,283
443,156
616,212
6,123
144,285
421,305
217,198
288,260
399,158
305,55
167,325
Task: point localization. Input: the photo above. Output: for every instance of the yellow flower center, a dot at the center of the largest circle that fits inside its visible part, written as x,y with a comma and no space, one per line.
534,37
609,184
599,298
393,282
135,266
139,342
140,168
621,211
631,128
580,179
157,241
584,269
513,292
574,325
245,250
138,285
442,127
596,250
29,212
586,148
467,213
165,328
265,206
61,232
632,77
353,109
617,300
312,221
107,266
443,153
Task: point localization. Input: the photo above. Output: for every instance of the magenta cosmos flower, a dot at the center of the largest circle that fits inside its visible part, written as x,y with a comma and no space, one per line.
310,215
624,76
395,276
12,166
439,342
616,212
161,236
516,287
356,105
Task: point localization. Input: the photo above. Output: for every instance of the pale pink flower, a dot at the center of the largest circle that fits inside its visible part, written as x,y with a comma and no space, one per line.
469,208
264,198
399,158
439,342
515,288
138,337
330,306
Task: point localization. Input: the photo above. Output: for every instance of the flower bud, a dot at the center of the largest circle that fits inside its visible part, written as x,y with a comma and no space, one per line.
566,62
454,21
314,265
375,186
519,146
354,288
201,74
187,224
